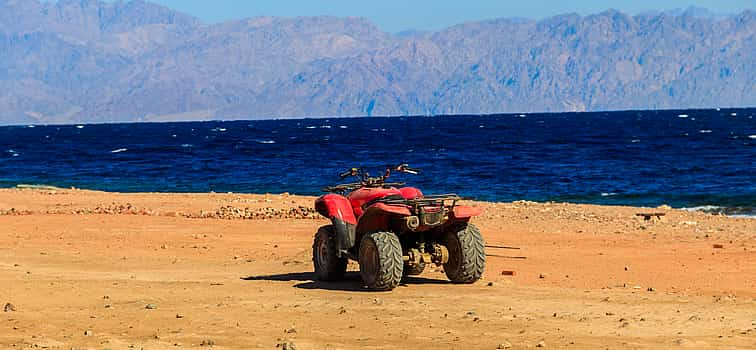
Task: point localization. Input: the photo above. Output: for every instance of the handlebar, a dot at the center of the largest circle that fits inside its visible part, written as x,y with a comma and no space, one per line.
367,181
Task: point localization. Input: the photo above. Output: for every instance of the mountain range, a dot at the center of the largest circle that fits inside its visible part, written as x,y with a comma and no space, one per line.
75,61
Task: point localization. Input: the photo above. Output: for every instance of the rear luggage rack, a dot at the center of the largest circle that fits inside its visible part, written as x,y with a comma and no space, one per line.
438,199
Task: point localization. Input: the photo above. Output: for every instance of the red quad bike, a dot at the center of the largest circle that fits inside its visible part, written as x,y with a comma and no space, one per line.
394,231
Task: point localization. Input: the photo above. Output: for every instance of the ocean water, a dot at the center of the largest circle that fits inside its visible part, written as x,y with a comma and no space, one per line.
694,158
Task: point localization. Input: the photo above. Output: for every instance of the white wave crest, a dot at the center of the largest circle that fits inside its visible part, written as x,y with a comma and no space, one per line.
119,150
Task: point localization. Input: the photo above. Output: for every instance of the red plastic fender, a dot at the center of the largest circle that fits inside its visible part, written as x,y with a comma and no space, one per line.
463,211
334,206
393,209
410,192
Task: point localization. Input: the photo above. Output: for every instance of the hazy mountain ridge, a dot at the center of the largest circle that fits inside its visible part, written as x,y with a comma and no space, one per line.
85,60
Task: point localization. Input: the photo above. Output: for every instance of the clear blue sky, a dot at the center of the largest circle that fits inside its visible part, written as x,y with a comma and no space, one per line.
398,15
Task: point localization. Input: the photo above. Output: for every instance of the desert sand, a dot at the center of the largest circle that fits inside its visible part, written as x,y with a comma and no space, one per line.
94,270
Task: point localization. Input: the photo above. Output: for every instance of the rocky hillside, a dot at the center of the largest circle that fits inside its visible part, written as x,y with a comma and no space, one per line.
91,61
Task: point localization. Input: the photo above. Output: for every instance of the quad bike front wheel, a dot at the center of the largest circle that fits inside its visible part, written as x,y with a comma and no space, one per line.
325,255
381,262
467,254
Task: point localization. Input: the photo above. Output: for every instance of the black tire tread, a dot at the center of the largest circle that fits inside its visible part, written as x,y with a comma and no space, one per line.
391,263
336,267
473,249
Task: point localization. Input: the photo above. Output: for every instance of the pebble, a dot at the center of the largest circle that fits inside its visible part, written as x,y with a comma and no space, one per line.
541,344
207,342
179,316
287,345
471,314
504,345
491,284
150,307
88,333
9,307
542,276
291,330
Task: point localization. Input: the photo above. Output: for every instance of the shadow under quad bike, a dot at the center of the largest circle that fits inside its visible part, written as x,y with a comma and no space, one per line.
394,231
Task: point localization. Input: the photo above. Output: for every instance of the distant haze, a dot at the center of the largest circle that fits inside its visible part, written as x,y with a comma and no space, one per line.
75,61
402,15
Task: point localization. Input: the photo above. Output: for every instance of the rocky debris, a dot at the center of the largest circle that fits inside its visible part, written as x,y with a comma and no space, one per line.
234,213
508,273
88,333
150,306
9,307
290,330
718,246
207,342
541,344
14,212
491,284
542,276
286,345
504,345
227,212
179,316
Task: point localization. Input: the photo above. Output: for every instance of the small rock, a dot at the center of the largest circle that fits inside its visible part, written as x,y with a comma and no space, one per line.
541,344
718,246
491,284
377,301
508,273
291,330
651,289
150,307
542,276
664,206
207,342
179,316
471,314
504,345
88,333
9,307
287,345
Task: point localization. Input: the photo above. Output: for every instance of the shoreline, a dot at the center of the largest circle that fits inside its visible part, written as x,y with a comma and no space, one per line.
715,210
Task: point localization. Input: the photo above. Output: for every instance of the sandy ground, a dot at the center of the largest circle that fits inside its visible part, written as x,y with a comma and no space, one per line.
80,268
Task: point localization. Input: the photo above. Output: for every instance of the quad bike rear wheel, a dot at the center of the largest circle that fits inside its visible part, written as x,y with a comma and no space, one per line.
467,255
381,262
325,255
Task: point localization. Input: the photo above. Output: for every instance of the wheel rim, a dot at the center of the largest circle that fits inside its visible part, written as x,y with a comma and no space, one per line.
322,256
370,265
455,254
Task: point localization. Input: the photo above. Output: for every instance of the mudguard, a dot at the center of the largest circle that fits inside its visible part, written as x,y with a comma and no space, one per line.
464,212
338,209
377,217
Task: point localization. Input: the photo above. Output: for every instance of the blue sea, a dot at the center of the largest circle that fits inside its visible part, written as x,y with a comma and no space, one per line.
689,159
